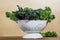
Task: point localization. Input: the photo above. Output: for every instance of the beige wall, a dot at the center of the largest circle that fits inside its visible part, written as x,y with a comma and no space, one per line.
10,28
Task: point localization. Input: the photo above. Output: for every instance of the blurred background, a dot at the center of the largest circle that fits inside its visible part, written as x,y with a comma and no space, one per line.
11,28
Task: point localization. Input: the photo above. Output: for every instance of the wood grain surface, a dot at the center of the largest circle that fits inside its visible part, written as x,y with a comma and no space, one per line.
20,38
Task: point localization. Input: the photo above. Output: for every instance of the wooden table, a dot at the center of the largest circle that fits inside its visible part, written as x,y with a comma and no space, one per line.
19,38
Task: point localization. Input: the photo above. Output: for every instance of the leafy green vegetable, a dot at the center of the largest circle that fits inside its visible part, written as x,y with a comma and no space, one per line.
30,14
12,16
49,34
8,14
